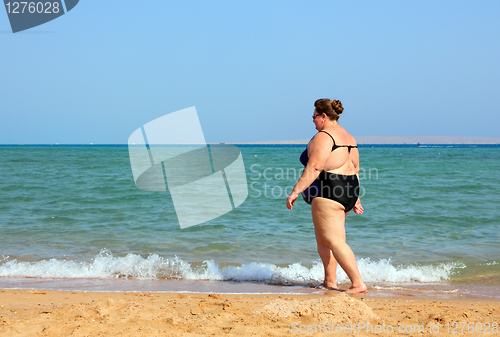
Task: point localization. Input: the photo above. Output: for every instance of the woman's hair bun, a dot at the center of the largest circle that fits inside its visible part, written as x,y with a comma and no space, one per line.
328,107
337,106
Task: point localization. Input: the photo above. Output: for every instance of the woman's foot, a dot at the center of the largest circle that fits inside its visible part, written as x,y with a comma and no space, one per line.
357,289
328,288
329,285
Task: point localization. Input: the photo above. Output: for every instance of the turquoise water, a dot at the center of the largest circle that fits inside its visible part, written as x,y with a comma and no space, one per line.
72,212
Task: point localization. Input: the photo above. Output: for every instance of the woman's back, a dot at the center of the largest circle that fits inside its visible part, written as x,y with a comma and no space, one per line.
344,159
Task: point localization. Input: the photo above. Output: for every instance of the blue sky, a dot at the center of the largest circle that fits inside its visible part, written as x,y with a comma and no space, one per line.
252,69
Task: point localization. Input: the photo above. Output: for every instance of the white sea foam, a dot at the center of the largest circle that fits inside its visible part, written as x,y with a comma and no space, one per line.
384,271
493,263
106,266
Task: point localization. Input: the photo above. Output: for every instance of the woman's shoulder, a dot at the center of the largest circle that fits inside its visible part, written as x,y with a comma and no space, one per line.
321,136
320,139
341,136
352,140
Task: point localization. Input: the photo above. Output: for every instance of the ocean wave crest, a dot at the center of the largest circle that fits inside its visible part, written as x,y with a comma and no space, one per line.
106,266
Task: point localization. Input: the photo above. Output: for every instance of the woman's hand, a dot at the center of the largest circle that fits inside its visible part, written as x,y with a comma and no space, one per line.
291,200
358,209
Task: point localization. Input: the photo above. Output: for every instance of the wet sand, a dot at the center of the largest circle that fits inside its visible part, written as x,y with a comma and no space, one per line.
70,313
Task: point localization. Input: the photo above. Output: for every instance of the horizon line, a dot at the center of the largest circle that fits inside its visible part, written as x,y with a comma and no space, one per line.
362,140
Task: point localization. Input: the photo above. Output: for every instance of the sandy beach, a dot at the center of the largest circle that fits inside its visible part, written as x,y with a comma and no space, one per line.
69,313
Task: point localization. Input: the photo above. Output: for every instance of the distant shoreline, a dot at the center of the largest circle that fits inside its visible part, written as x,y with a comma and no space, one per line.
395,140
400,140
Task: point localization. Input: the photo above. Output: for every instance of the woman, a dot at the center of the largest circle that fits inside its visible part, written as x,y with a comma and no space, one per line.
332,158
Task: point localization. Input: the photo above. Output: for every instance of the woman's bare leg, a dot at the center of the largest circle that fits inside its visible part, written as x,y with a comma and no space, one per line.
329,264
329,220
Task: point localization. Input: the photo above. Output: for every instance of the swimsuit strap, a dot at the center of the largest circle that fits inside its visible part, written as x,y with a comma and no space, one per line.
335,146
349,147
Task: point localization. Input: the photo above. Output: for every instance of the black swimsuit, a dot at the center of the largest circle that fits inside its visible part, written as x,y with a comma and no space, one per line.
343,189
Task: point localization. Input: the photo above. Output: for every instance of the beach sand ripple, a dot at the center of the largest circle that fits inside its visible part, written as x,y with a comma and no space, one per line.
65,313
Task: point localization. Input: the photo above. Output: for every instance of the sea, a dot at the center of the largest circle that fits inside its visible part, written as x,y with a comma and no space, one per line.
72,218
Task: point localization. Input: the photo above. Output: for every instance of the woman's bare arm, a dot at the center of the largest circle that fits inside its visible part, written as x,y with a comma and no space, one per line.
318,151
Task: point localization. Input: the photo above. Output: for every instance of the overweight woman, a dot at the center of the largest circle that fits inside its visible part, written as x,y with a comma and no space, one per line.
330,183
